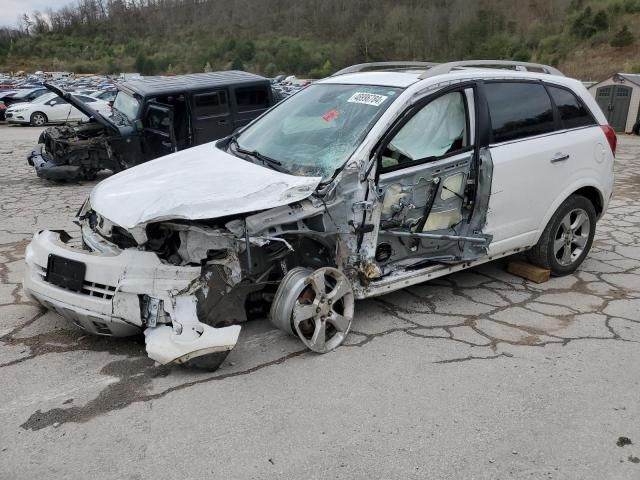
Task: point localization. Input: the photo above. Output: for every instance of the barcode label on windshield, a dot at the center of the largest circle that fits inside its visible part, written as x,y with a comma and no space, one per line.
367,99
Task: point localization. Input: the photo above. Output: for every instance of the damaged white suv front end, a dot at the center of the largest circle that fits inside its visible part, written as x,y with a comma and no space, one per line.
136,272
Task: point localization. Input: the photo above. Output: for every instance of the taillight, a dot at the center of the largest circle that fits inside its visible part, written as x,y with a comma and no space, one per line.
611,137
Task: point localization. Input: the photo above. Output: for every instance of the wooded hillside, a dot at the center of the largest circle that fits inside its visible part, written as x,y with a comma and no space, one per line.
588,38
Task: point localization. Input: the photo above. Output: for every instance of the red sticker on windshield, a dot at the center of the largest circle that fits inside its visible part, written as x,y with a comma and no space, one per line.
331,115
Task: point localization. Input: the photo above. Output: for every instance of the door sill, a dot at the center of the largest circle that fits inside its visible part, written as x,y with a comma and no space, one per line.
403,278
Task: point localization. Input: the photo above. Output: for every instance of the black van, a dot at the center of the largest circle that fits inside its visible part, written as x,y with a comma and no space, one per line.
151,117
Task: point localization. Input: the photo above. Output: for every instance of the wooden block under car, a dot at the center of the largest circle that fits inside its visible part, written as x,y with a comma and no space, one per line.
530,272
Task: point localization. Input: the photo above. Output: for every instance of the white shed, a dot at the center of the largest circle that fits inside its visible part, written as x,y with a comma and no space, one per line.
619,99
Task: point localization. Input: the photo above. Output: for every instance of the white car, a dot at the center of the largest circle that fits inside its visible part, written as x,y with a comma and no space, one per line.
50,108
361,184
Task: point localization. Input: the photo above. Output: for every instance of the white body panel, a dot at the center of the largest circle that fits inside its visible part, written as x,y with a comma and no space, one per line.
528,187
201,182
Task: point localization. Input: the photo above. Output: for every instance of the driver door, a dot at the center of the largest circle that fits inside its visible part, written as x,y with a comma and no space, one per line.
158,133
427,185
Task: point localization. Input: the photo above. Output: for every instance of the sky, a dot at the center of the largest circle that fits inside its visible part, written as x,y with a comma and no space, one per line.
10,9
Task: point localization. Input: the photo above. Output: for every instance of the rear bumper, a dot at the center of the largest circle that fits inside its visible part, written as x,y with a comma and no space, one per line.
49,170
110,302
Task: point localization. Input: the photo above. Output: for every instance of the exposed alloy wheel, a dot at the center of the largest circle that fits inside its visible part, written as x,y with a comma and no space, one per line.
568,237
317,306
38,119
571,237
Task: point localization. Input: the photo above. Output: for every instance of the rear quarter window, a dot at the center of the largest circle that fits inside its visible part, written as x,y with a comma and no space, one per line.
573,114
518,110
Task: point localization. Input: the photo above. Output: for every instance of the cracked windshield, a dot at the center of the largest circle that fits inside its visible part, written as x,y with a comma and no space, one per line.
316,131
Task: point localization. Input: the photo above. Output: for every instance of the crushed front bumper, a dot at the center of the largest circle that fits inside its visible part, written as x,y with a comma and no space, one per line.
45,168
115,294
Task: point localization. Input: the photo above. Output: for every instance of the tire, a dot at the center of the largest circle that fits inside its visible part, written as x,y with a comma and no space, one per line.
567,238
38,119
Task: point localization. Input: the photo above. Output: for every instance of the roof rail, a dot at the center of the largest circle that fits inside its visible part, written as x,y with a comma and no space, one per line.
443,68
383,65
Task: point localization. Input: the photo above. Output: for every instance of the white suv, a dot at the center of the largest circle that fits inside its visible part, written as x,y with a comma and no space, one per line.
377,178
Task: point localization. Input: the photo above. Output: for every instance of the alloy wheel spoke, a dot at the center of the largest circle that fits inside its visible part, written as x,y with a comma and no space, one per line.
317,282
319,337
340,290
558,245
566,223
580,240
303,312
581,218
566,255
339,321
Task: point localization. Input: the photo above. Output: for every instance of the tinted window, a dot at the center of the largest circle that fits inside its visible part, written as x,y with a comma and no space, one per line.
252,98
214,103
518,110
572,113
439,128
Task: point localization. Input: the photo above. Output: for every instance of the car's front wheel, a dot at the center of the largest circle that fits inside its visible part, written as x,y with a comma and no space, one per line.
38,119
568,237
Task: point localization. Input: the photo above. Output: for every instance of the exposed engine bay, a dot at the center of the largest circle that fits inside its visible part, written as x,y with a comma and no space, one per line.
74,152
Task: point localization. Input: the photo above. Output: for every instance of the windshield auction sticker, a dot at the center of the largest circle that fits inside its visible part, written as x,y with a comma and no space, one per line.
331,115
367,99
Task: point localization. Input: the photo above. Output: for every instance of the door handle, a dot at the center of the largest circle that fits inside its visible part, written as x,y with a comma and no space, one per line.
560,157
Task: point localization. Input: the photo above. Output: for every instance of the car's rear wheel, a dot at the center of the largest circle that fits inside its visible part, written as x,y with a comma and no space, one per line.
568,237
38,119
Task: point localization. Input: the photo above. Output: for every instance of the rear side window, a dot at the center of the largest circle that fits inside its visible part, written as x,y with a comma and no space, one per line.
573,113
518,110
211,104
252,98
86,99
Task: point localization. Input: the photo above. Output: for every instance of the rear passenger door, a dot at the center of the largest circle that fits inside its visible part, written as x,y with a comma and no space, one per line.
212,116
535,154
250,103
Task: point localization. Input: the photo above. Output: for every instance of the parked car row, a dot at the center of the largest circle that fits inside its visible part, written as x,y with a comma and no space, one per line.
380,177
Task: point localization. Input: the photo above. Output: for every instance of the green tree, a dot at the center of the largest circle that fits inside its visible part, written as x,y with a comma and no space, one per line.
582,25
601,20
622,38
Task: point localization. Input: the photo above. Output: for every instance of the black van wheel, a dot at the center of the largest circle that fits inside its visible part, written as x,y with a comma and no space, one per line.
568,237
